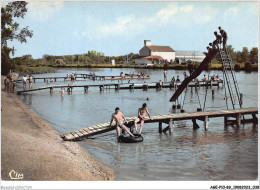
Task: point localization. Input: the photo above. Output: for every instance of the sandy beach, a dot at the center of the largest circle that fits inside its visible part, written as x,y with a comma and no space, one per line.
35,151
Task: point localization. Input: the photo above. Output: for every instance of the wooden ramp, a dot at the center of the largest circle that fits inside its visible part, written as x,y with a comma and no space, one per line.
124,86
169,119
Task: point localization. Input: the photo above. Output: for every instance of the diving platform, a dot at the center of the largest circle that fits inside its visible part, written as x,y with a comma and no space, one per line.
124,86
169,120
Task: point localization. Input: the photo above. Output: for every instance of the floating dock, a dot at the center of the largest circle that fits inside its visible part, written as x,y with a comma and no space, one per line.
125,86
169,119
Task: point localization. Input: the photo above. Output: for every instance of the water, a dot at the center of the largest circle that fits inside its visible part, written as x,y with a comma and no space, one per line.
216,154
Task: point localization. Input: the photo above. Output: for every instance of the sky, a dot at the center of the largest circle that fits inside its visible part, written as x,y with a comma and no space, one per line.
119,27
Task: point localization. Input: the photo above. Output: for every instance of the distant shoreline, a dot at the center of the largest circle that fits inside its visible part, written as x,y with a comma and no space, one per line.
39,69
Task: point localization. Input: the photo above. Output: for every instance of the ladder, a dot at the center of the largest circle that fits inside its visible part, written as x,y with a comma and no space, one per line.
230,78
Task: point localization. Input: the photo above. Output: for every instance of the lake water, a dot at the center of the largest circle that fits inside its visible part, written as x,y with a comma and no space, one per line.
217,154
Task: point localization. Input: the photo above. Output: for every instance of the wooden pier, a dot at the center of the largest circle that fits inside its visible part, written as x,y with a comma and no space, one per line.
111,77
87,76
125,86
169,120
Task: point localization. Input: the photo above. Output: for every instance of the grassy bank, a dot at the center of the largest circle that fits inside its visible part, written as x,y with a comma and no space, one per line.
36,69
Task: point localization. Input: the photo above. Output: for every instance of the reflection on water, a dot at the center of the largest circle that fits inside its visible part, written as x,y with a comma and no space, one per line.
217,154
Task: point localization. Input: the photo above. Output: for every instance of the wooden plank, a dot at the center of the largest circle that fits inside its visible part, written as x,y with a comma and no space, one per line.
83,132
68,137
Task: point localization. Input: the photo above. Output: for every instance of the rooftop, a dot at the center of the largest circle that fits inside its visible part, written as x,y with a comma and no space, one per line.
160,48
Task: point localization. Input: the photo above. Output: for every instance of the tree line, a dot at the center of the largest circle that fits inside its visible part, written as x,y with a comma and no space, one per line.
241,56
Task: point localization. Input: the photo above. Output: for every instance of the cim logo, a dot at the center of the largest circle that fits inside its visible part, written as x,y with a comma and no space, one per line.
15,175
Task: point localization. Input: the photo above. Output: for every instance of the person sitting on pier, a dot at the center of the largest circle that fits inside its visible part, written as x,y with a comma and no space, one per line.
217,78
224,36
141,117
178,79
120,119
67,76
24,82
159,84
204,78
52,79
213,78
173,79
30,82
196,80
185,74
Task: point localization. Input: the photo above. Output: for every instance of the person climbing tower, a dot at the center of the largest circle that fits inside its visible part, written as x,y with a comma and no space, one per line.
224,36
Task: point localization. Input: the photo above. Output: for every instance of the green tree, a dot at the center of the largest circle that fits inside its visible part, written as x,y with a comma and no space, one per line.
244,54
10,31
253,54
231,51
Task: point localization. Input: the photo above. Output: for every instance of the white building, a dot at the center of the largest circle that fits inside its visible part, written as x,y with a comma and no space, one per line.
113,61
184,56
151,54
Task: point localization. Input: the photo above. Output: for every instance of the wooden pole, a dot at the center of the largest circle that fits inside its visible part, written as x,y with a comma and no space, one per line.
238,120
171,124
160,127
225,121
195,125
206,123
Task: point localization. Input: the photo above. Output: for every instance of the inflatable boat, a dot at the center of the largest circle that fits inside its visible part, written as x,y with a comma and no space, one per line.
129,139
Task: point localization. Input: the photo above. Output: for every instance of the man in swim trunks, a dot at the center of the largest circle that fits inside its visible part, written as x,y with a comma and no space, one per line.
141,117
120,119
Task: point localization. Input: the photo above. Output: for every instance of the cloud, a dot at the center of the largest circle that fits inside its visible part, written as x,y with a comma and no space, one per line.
232,11
166,13
44,10
131,24
121,26
187,8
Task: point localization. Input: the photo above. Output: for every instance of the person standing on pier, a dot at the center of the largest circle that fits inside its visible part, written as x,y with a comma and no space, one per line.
30,82
24,82
141,117
165,75
120,119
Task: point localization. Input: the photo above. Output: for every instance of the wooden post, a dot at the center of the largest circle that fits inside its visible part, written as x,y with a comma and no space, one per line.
171,124
160,127
206,123
241,98
225,121
255,120
238,120
195,125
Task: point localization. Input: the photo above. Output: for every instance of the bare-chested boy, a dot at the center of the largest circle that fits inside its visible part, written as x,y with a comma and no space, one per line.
30,82
120,119
141,116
